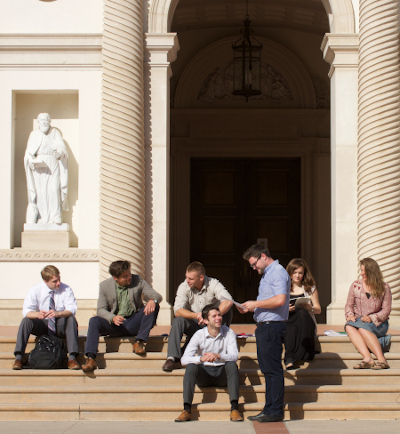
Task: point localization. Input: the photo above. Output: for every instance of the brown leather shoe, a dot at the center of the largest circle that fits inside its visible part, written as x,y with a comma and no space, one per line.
73,364
17,365
184,416
138,348
90,365
168,366
236,416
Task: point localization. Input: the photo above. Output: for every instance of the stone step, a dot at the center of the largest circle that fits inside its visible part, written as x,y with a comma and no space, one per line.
173,394
322,377
341,393
203,411
253,377
155,360
339,344
131,387
120,394
345,360
332,344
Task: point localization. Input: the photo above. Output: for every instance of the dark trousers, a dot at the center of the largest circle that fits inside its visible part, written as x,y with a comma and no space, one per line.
270,339
203,376
66,328
138,325
182,326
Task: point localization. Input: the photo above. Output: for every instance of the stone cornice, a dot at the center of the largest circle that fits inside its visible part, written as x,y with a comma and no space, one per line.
50,51
52,255
38,40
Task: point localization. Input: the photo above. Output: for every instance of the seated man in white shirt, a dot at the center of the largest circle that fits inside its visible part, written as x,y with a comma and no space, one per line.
196,292
49,308
211,357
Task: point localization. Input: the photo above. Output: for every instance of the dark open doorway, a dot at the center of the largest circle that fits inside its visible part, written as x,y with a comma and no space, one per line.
238,202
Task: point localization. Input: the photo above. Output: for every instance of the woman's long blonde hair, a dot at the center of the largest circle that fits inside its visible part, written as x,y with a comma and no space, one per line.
308,279
374,277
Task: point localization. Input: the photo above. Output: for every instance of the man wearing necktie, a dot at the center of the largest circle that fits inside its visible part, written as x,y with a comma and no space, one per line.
121,312
49,308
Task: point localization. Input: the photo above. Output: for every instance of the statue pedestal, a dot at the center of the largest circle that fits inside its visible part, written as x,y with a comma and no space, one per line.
50,236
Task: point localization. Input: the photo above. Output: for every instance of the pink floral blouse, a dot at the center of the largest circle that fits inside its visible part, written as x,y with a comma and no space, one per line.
359,305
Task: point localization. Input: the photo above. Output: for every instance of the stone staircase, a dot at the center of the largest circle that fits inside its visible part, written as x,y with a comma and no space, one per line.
130,387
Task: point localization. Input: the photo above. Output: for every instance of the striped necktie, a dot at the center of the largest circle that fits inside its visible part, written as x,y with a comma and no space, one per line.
52,321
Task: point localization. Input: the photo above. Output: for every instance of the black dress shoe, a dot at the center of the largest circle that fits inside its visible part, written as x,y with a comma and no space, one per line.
269,418
255,417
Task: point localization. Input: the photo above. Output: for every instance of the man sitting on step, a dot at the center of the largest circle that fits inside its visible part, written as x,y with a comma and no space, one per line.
197,291
49,308
120,311
211,357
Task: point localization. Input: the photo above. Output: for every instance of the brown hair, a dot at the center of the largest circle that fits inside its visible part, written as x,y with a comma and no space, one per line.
49,271
374,277
255,251
308,279
196,266
207,309
119,267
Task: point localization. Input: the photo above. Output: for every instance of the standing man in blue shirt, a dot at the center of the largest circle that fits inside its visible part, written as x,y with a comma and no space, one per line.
270,309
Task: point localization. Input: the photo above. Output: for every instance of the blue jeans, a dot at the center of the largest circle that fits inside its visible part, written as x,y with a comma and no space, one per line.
270,339
138,325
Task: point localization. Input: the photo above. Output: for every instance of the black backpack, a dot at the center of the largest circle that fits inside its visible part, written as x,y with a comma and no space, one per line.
49,353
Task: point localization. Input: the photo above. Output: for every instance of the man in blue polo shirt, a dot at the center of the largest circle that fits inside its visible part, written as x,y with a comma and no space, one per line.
270,311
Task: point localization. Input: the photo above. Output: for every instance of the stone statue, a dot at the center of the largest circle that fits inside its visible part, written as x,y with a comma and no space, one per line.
46,167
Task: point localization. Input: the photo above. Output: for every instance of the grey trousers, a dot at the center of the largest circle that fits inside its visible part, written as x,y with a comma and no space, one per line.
203,376
65,328
182,326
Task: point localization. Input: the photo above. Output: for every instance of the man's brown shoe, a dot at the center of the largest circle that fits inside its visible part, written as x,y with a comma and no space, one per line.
17,365
235,416
90,365
184,416
73,364
138,348
168,366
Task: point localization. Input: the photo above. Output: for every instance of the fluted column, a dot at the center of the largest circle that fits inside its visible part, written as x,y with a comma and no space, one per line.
379,138
122,171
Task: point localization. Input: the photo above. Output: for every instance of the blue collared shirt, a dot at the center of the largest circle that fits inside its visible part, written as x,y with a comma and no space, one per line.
274,281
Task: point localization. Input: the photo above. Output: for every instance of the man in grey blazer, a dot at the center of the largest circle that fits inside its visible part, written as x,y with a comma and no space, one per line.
120,311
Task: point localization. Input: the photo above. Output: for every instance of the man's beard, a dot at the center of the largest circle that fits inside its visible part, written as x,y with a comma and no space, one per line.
44,129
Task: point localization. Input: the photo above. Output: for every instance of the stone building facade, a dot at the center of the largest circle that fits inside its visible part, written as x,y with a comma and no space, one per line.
166,166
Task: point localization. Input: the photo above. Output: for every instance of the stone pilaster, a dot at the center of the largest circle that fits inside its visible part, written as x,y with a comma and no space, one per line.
122,171
161,50
379,139
341,52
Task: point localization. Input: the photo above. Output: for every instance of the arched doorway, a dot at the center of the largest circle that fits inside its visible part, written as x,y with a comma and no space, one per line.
205,127
250,170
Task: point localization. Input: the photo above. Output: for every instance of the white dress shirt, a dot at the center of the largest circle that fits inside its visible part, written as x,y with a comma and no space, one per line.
38,298
224,344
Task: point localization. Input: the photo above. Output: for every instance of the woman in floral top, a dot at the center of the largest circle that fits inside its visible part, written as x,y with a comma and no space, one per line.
367,312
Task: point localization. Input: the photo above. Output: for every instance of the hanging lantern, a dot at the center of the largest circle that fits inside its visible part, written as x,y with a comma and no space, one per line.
247,63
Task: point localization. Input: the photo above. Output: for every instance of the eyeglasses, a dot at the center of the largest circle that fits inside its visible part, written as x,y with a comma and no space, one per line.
252,266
